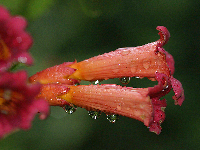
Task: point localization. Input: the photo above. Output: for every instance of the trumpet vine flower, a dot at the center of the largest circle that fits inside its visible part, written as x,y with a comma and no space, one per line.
143,104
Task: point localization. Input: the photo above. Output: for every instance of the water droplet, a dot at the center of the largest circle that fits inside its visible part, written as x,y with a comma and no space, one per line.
70,109
94,114
119,107
116,70
146,64
112,118
96,82
125,80
124,52
133,67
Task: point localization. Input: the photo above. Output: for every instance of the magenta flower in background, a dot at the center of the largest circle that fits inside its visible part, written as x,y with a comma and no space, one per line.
14,40
18,102
18,105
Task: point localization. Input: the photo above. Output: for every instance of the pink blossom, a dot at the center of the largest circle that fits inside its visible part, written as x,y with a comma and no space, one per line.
18,105
14,40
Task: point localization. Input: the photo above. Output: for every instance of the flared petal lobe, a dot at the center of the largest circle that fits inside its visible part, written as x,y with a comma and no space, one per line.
179,96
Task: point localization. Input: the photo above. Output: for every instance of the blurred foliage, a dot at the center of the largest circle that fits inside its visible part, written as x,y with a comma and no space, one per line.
68,30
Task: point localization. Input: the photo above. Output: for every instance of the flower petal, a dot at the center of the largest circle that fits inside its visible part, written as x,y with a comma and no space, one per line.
14,40
55,74
179,96
18,104
141,61
51,93
112,99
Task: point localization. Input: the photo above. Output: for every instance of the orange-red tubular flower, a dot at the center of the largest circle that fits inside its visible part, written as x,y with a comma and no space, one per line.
141,61
143,104
112,99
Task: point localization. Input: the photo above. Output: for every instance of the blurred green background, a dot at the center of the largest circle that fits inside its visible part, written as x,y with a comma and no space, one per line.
79,29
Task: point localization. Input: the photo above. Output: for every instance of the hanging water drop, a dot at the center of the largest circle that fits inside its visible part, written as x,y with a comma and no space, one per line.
96,82
125,80
94,114
70,109
112,118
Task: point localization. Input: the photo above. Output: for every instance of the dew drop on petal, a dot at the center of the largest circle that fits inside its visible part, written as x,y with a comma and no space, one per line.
112,118
125,52
116,70
133,68
125,80
94,114
146,64
119,107
70,109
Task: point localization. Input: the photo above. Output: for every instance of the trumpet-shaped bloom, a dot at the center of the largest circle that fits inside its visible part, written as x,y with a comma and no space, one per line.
143,104
14,40
141,61
18,105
